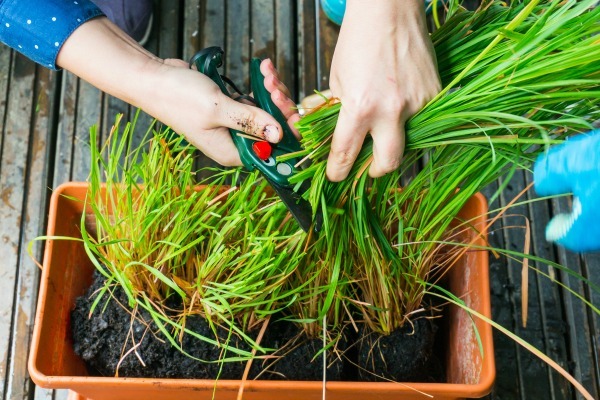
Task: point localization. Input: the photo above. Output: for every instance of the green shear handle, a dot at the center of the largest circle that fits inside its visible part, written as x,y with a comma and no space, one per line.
208,61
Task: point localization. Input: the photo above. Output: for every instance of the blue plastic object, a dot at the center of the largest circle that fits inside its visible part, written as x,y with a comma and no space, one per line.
335,9
573,167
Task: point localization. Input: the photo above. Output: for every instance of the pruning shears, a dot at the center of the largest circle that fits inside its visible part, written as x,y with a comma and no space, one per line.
260,154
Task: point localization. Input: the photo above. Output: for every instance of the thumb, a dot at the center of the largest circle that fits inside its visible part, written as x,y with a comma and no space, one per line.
248,119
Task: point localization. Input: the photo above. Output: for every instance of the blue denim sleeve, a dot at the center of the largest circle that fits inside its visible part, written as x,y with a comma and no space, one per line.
38,29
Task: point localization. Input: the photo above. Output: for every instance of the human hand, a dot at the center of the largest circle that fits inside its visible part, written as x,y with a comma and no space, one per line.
196,108
383,71
573,166
187,101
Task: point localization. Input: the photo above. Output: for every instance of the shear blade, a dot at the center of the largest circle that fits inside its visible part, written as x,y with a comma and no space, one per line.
299,207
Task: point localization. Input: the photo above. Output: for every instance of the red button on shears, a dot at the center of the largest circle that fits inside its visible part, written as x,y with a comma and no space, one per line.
262,150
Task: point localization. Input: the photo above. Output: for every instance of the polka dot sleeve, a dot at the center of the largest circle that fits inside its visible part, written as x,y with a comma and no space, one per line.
38,29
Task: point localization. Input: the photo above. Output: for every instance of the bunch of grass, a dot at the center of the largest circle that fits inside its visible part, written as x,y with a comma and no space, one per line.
517,78
179,249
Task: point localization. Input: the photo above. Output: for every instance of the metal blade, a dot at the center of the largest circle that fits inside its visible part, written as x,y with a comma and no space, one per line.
299,207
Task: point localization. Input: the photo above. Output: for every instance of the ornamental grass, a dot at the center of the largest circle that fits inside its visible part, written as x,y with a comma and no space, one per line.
179,249
516,79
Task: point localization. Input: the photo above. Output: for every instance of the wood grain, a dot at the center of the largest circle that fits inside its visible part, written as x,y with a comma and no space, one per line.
13,183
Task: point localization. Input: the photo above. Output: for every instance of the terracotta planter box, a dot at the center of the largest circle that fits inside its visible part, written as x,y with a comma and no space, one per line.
68,272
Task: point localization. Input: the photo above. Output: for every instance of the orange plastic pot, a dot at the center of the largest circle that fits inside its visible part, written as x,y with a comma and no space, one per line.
68,272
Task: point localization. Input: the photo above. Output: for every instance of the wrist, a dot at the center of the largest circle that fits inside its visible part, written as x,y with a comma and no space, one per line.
388,19
117,64
387,11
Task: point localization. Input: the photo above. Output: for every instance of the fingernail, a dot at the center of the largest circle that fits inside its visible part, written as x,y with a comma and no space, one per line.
271,133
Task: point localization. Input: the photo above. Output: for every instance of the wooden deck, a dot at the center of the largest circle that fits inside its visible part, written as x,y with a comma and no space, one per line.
44,121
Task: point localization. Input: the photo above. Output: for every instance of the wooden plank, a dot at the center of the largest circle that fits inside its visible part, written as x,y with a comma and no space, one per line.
327,34
262,37
33,223
61,394
579,330
505,349
5,62
168,39
13,179
534,374
550,300
65,134
5,67
203,26
273,30
307,49
88,113
63,165
193,23
80,108
237,43
285,56
592,266
42,394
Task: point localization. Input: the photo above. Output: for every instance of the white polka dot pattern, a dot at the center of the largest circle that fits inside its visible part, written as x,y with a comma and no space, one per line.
39,32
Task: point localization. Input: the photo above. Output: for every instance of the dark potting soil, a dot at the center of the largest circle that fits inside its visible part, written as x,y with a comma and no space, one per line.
104,340
407,355
298,357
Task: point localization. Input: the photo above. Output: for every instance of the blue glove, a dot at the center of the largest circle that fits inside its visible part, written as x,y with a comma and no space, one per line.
573,166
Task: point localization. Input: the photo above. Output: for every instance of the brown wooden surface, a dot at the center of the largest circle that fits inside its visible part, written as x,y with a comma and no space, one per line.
44,122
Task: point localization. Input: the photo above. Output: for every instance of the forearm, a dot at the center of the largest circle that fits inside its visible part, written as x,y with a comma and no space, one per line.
39,29
401,22
104,56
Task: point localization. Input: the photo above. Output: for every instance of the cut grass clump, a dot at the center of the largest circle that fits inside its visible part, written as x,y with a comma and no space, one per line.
516,79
